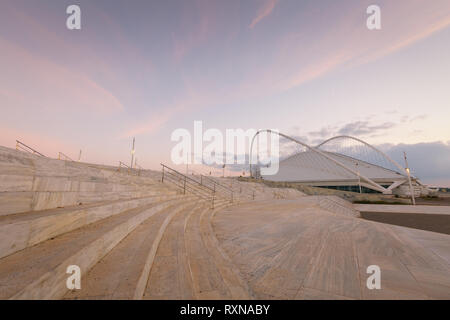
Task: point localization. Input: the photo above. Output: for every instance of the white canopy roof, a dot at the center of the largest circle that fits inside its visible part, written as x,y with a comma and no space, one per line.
309,166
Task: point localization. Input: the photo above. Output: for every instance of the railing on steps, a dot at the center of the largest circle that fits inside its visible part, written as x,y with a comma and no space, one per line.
22,146
239,193
62,156
232,192
193,186
139,169
135,170
220,188
123,165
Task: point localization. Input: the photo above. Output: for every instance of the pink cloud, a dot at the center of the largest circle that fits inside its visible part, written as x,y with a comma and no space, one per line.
318,69
409,39
348,45
49,146
192,100
32,82
263,12
58,47
157,121
193,33
152,125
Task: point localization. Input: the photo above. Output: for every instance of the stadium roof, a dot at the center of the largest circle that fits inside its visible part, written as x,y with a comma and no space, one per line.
309,166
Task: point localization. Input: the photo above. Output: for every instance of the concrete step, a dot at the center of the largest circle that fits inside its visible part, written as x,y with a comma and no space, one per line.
19,231
39,272
231,276
123,273
170,276
35,200
212,276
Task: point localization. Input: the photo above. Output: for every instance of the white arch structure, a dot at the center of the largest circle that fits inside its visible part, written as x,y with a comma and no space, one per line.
316,150
402,170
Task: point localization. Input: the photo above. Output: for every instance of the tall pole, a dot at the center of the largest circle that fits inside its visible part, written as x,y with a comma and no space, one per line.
409,179
132,154
359,178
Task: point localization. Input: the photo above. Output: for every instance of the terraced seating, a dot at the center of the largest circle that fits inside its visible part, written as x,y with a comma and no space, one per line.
130,235
19,231
133,236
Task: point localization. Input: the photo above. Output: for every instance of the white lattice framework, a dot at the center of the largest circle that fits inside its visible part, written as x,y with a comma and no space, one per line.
344,157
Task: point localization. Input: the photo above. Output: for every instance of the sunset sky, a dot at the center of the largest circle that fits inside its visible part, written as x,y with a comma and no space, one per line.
309,68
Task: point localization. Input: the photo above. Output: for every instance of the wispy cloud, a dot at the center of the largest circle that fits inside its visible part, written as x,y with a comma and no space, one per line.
264,11
152,124
46,85
428,29
351,44
368,127
362,128
195,26
47,145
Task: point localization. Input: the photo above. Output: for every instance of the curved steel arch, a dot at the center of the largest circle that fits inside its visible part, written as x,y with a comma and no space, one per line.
402,170
375,185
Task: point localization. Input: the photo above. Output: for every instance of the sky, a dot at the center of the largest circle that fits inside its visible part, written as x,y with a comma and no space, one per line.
309,68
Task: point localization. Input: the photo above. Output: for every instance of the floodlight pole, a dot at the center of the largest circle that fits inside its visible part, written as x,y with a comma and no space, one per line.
132,155
409,179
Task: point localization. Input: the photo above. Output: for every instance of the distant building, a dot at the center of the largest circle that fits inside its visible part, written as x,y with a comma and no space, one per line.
320,168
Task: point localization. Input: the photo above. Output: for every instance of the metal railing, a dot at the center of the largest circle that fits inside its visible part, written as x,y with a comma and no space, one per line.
22,146
247,193
62,156
123,165
137,168
234,191
220,188
187,184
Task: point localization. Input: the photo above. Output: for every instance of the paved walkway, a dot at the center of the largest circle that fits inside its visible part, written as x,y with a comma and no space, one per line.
292,249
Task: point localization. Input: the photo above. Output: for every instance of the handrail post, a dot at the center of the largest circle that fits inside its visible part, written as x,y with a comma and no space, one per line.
201,179
253,194
162,178
214,194
184,185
